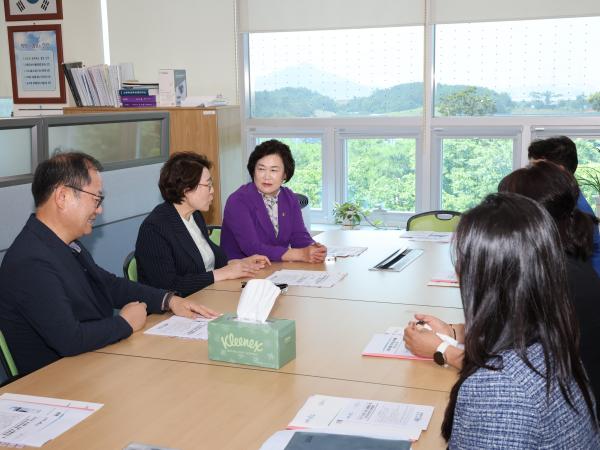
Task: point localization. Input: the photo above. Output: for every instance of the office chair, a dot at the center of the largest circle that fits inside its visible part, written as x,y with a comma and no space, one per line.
214,233
303,200
130,267
433,221
8,368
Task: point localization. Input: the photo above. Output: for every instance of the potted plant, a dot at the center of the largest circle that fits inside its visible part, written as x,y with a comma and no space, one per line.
590,177
350,214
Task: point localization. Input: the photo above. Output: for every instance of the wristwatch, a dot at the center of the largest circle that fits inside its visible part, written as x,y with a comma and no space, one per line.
439,356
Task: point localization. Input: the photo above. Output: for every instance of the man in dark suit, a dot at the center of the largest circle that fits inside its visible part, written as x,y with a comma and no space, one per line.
55,301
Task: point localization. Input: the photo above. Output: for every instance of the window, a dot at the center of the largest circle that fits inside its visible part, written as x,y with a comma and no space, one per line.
541,67
308,173
471,168
381,173
588,154
360,72
116,140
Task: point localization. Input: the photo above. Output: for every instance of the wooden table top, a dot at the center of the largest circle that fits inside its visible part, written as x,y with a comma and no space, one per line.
330,337
408,286
191,406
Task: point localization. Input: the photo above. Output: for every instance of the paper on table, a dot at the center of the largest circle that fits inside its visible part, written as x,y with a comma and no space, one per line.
389,346
309,439
308,278
181,327
33,421
365,417
449,279
257,300
427,236
342,252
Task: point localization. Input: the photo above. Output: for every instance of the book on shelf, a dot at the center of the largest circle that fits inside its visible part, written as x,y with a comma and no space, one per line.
172,87
71,81
97,85
138,98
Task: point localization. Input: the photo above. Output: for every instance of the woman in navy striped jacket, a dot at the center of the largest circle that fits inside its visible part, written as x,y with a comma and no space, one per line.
522,383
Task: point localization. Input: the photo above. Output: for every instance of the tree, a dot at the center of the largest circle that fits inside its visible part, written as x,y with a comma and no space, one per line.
544,99
467,102
594,101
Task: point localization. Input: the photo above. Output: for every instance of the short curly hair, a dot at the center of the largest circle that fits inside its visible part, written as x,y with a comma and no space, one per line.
273,147
181,173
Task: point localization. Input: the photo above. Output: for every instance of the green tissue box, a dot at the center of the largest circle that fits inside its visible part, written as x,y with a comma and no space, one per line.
271,344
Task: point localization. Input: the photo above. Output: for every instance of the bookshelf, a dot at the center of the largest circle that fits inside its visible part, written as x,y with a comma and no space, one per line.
214,132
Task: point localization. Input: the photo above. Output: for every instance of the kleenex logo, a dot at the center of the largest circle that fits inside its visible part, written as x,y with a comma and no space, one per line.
230,340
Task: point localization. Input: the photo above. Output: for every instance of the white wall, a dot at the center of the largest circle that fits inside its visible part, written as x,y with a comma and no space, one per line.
81,36
195,35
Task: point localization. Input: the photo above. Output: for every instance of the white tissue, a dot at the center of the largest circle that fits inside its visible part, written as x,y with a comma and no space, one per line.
257,300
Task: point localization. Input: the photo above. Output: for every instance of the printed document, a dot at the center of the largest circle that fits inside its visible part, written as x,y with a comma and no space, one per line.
364,417
427,236
308,278
33,421
342,252
181,327
389,346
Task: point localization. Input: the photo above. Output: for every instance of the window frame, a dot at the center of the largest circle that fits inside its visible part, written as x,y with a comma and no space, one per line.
36,131
439,134
392,218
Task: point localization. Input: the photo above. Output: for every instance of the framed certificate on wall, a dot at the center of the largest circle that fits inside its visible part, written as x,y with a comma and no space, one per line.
32,10
35,64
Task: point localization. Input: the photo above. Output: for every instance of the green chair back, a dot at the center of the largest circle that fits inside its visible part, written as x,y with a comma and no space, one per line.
8,365
130,267
214,233
433,221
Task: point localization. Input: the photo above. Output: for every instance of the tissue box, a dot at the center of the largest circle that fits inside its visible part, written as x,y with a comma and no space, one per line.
271,344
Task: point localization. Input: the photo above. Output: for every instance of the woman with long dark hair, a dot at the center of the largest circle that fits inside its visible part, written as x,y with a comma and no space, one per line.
522,384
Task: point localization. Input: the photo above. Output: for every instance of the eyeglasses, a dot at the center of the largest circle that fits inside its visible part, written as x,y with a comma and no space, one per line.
209,185
99,198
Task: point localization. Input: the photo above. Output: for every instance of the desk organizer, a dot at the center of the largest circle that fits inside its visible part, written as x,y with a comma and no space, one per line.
271,344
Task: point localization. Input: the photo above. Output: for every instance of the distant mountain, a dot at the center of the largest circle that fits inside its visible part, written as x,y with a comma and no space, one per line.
313,79
291,102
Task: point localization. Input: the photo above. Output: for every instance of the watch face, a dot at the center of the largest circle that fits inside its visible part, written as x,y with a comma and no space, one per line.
438,357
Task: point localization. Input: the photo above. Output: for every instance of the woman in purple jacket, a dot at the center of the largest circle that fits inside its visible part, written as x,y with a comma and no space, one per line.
263,217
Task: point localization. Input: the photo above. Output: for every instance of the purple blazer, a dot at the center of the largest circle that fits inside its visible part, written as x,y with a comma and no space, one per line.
247,229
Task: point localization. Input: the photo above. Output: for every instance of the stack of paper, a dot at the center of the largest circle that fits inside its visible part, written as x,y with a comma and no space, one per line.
308,278
342,252
427,236
449,279
390,345
181,327
33,421
371,418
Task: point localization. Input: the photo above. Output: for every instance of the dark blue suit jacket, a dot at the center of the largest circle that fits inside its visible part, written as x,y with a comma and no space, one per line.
48,305
167,256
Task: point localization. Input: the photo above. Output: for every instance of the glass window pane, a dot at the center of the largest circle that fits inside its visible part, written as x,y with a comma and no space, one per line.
337,73
588,154
109,142
15,152
472,168
524,67
381,173
308,173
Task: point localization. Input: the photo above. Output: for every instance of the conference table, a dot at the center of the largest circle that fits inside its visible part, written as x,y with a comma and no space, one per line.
165,391
407,287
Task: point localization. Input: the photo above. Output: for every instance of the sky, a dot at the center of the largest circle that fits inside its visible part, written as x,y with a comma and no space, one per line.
517,57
